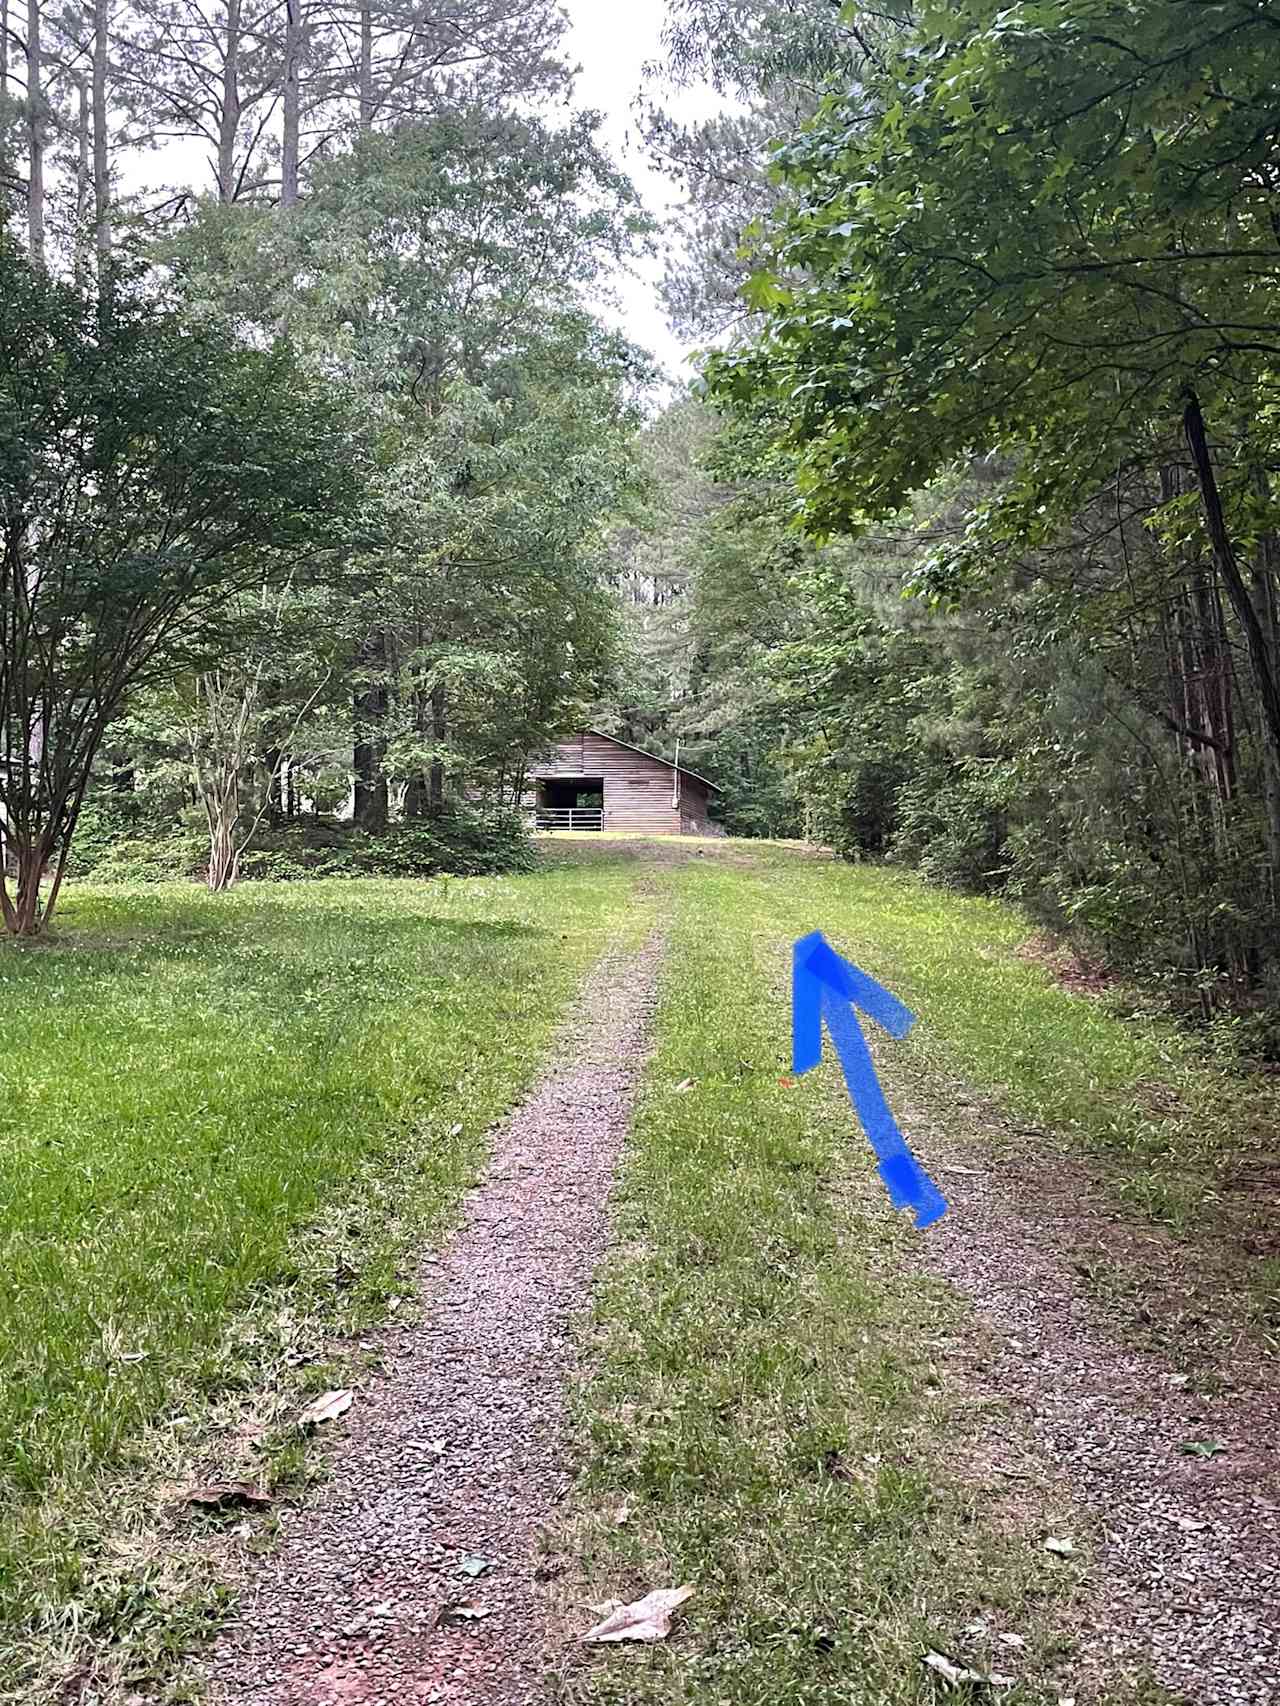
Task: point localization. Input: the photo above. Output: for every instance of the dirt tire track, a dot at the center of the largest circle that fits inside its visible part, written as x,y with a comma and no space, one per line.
1186,1574
345,1608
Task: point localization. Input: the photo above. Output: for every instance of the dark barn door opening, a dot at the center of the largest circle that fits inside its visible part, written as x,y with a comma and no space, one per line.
571,802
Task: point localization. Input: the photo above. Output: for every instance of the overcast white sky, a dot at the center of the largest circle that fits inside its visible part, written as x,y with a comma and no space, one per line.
612,40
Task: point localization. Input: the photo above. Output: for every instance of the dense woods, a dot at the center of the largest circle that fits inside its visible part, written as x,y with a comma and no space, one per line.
974,562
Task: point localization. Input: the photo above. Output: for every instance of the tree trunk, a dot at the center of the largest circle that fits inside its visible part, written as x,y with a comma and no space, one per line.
370,705
372,804
1258,621
1265,576
273,763
292,103
101,161
123,775
82,177
223,811
31,843
440,729
417,793
229,116
1261,654
366,65
32,855
35,136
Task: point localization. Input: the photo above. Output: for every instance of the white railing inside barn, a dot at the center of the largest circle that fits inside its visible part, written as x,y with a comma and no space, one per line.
569,817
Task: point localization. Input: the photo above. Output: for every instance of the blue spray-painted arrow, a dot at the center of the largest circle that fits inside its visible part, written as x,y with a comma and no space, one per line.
826,986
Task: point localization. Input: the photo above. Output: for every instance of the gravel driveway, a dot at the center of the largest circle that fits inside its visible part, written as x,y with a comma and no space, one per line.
1183,1485
411,1577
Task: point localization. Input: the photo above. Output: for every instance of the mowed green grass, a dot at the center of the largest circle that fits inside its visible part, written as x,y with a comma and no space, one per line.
1135,1092
771,1410
1002,1022
218,1115
227,1122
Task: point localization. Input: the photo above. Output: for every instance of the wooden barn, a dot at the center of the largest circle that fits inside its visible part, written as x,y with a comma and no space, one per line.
594,782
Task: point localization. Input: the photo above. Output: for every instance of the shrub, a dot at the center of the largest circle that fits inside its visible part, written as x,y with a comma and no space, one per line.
464,842
138,858
949,828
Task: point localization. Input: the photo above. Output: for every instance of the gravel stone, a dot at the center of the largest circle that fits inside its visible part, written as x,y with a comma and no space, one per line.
346,1607
1186,1572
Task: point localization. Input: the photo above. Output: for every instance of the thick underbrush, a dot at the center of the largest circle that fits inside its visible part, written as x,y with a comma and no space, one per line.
462,843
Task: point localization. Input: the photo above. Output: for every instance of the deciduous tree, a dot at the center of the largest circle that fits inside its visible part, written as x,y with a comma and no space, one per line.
148,473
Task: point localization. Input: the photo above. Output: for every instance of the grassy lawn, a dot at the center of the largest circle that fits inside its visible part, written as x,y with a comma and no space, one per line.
1135,1090
1178,1134
225,1120
229,1121
765,1414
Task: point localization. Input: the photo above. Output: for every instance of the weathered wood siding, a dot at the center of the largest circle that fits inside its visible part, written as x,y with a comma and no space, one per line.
637,789
694,800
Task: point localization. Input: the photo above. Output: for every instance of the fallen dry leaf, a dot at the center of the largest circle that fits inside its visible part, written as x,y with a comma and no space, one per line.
647,1619
228,1495
953,1673
1011,1640
460,1611
956,1674
950,1671
327,1408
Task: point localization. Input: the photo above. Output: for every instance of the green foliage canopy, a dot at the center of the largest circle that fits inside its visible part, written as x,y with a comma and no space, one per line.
1034,228
149,471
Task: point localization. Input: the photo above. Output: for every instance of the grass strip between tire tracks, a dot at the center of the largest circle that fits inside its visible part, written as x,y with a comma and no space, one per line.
762,1412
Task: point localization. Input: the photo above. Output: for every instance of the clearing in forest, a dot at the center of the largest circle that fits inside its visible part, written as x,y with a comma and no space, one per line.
1033,1445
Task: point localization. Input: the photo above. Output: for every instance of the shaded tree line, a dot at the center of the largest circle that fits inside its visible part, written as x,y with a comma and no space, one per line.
994,431
304,476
